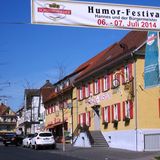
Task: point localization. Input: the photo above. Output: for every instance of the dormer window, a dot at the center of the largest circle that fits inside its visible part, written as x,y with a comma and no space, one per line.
67,83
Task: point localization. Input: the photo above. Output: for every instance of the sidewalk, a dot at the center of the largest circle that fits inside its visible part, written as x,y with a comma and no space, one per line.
103,153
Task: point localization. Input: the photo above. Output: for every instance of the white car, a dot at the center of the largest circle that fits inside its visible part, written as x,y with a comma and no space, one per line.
43,139
27,140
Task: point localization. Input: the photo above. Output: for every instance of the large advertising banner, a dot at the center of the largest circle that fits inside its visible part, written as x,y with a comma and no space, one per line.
151,69
91,14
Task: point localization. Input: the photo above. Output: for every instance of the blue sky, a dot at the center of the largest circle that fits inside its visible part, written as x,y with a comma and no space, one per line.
30,54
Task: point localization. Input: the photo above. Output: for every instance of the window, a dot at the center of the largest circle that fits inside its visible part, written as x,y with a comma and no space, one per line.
106,114
85,119
116,115
87,90
67,82
126,73
96,86
106,83
80,93
127,109
82,119
88,119
56,108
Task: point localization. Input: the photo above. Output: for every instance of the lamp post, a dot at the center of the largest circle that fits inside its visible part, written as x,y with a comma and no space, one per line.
62,108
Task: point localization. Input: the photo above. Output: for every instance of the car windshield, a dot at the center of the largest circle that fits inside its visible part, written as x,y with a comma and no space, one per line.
30,135
45,134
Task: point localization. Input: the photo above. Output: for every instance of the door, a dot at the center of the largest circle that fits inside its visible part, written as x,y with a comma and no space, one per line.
152,142
96,110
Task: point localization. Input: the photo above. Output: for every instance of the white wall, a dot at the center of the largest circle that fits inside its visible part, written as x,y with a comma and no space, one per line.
129,139
82,140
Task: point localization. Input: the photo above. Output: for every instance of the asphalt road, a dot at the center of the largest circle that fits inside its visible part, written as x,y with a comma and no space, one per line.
72,153
19,153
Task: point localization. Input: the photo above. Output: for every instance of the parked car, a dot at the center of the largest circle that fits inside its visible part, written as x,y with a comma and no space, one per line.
1,139
12,139
43,139
27,140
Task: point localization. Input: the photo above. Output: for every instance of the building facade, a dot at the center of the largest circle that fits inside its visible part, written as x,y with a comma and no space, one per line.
112,99
58,106
7,120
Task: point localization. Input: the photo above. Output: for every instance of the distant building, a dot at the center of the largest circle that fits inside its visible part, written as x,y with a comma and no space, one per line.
7,120
31,117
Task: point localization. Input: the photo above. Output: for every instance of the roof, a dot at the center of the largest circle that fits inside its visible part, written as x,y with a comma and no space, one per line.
48,84
112,54
32,92
4,110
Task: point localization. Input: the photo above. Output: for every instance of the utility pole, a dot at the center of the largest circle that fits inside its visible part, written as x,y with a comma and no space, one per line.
64,149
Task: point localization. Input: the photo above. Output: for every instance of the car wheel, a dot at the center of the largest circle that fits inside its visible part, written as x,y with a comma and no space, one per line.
53,146
6,145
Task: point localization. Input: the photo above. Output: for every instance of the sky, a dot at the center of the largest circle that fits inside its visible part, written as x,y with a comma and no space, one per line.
31,54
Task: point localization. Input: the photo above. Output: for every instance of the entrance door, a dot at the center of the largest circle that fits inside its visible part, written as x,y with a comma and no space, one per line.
96,118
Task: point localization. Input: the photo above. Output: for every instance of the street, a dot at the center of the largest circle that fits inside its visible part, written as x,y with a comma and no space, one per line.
19,153
72,153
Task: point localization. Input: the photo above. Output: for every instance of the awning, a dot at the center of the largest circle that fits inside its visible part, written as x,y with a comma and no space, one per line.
54,125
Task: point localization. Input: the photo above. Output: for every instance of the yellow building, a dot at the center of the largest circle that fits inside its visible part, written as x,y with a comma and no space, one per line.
104,102
110,97
58,106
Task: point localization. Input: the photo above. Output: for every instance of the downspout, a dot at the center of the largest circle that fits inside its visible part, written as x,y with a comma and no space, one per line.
135,93
135,102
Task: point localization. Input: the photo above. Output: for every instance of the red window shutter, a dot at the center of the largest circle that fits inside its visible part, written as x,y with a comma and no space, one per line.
112,113
131,109
84,118
130,71
102,110
103,84
89,115
111,80
99,85
118,77
124,110
79,119
93,87
83,92
89,89
109,118
108,81
122,70
48,111
119,111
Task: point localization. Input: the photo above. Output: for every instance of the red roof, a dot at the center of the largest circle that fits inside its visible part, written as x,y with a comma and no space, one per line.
3,108
129,43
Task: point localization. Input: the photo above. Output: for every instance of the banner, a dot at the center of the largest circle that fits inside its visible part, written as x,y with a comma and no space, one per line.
91,14
151,69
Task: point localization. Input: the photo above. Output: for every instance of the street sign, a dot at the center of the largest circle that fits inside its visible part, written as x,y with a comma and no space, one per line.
91,14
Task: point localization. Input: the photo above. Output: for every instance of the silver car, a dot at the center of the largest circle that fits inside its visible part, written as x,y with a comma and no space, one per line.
27,140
